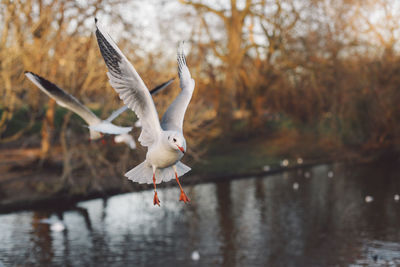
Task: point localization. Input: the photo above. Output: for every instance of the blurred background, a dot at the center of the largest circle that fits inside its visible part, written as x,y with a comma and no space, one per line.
281,87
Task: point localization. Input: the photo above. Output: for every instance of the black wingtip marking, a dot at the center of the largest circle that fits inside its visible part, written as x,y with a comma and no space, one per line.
110,55
95,20
49,86
161,86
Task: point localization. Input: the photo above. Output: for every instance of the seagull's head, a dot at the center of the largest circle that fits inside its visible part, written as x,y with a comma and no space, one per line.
176,141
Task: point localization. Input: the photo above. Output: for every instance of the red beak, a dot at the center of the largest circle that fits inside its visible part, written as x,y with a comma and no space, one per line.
181,149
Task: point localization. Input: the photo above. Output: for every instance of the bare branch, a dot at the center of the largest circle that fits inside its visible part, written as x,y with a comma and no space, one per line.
213,45
203,7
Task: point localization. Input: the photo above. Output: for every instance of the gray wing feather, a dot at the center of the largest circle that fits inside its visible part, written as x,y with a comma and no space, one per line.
130,87
173,117
116,113
63,98
154,91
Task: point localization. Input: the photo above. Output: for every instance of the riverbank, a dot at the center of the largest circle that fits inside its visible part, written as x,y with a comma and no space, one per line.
25,183
64,198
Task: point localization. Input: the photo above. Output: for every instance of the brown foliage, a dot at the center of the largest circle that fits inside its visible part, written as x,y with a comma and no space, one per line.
328,68
54,39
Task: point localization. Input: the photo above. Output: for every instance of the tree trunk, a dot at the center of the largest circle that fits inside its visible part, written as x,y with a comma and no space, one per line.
227,101
47,131
234,57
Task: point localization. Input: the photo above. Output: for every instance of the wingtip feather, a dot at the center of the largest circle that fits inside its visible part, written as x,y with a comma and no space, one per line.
32,76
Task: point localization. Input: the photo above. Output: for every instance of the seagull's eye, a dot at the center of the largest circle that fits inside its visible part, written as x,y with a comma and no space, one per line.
174,140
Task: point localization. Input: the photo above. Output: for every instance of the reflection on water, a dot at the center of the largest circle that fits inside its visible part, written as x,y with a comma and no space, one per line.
248,222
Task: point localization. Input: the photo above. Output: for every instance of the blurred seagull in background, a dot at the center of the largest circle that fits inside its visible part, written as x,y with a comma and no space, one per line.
96,126
165,141
125,138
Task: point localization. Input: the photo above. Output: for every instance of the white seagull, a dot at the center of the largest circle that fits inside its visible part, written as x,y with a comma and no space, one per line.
96,126
165,141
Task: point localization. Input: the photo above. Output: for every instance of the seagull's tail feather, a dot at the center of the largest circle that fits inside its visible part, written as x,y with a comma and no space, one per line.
167,174
143,173
182,168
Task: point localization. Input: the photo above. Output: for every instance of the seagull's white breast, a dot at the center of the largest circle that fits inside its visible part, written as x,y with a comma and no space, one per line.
162,156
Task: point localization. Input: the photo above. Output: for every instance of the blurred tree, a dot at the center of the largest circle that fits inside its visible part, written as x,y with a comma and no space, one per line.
55,40
37,36
231,50
249,59
328,69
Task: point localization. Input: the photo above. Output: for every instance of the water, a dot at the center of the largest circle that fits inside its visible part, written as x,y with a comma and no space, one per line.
323,221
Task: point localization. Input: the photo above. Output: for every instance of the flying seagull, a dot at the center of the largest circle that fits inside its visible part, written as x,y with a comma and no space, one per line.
165,141
96,126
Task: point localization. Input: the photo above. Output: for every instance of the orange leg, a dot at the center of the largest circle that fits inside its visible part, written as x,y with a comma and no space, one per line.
103,141
183,196
156,201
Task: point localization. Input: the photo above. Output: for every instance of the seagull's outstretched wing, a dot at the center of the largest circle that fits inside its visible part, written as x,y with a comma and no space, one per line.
63,98
130,87
173,117
122,109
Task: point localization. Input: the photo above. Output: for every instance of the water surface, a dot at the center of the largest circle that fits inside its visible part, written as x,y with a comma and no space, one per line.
265,221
